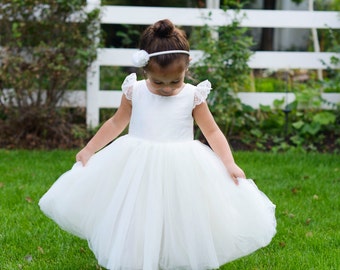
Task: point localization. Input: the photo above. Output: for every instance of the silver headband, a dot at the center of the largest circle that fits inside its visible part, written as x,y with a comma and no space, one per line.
141,57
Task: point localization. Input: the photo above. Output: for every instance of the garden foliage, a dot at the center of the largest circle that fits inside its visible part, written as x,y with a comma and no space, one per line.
302,124
45,46
225,63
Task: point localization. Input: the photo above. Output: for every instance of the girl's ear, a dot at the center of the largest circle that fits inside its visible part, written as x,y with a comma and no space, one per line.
145,74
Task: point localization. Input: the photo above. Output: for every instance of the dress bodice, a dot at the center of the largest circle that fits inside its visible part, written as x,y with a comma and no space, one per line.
163,118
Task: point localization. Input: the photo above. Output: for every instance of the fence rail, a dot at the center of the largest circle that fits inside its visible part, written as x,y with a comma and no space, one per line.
259,60
96,98
218,17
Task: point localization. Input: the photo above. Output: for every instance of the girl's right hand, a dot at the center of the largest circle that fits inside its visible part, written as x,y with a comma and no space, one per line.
84,155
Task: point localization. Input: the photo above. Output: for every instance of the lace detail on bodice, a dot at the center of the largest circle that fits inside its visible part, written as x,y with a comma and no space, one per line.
202,90
127,86
201,93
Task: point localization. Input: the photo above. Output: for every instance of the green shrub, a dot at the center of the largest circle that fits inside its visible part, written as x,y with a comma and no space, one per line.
225,64
42,53
302,124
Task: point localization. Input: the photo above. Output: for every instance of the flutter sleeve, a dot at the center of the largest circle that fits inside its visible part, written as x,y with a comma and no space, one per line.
201,93
127,86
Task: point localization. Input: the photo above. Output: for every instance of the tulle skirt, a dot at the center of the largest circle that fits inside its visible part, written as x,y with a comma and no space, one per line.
149,205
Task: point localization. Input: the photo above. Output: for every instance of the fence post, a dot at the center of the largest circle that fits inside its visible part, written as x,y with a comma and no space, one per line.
92,91
93,81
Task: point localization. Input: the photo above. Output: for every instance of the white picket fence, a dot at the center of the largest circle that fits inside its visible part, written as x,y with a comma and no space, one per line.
96,98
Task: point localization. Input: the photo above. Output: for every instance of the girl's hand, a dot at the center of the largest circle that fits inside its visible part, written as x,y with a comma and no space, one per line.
235,172
84,155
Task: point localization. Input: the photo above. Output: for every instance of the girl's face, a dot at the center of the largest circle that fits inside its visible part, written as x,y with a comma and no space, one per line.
166,81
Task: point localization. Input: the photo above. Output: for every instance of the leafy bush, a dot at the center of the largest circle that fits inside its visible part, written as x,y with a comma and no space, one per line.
302,125
42,53
224,63
312,127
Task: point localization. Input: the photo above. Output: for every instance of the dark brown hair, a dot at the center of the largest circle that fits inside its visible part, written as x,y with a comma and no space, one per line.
164,36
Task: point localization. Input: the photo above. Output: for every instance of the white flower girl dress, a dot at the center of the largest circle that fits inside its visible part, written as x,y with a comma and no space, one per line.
156,198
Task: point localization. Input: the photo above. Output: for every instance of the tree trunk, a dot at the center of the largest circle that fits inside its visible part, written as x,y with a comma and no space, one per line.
267,35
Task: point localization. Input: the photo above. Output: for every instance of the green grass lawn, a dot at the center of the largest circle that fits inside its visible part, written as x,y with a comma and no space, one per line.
305,188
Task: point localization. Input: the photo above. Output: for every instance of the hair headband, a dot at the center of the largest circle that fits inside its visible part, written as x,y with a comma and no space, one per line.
141,57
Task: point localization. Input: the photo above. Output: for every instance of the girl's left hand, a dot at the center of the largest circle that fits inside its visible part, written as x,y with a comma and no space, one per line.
235,172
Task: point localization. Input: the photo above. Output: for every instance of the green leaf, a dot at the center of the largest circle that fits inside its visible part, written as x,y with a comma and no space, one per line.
278,102
265,108
298,125
324,118
312,128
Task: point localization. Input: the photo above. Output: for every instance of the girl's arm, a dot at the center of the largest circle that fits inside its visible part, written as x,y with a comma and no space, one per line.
216,140
108,131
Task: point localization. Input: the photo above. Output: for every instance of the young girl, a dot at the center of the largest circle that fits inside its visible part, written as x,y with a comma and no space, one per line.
156,198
